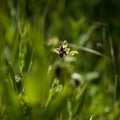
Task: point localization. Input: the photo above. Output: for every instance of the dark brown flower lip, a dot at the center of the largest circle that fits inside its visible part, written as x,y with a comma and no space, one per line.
62,51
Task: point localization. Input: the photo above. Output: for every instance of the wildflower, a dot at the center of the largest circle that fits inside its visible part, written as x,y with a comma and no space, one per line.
76,80
64,50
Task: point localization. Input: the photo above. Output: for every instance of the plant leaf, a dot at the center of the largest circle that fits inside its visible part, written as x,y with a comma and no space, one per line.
80,101
16,85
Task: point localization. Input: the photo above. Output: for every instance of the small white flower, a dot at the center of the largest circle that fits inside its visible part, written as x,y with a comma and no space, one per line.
76,80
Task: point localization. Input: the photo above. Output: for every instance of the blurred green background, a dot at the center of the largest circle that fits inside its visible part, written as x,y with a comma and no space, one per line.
35,81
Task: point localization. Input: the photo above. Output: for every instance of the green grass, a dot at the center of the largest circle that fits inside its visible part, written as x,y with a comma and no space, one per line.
42,77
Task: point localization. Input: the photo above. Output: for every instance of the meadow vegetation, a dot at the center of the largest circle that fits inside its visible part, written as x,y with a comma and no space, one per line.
59,60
